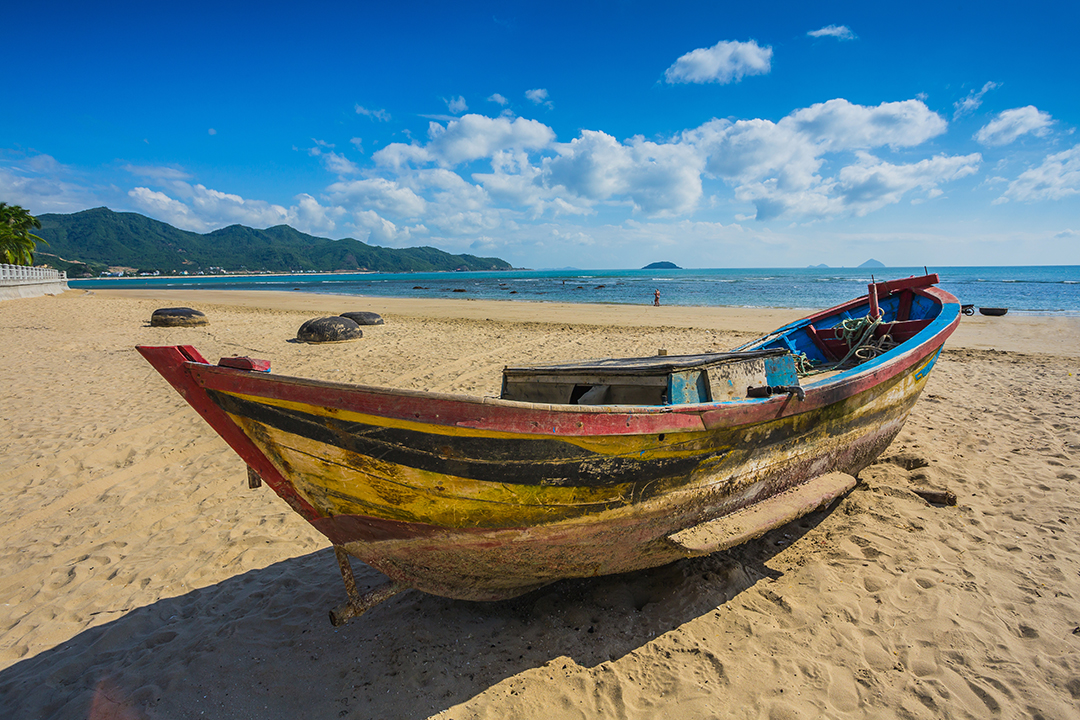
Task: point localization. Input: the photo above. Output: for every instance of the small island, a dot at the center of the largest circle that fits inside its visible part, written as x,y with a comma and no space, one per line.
662,266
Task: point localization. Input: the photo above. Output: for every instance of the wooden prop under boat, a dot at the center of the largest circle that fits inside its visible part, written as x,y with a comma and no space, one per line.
579,469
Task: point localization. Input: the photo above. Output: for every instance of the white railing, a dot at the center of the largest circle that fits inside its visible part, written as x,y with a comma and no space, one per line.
22,274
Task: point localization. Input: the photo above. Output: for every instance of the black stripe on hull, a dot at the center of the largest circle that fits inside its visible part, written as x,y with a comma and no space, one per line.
518,461
548,461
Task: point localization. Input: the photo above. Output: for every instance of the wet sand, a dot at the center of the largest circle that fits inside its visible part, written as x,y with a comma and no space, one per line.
141,578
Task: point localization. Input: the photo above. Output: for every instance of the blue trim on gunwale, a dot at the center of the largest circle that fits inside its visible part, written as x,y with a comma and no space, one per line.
949,313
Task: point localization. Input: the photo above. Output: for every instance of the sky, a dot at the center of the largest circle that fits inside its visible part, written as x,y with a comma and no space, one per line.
592,135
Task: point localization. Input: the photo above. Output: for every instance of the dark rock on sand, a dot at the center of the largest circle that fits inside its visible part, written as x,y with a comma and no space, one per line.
328,330
364,318
177,317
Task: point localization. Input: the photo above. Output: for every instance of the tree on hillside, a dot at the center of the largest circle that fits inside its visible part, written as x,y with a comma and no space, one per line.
17,243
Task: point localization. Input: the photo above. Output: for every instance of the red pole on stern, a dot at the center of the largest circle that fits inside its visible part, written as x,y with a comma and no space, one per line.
875,311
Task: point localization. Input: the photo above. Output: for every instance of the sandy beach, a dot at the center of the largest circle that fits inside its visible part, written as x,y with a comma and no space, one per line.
141,578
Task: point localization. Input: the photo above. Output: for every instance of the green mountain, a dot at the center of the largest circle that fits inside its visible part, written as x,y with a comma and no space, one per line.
91,240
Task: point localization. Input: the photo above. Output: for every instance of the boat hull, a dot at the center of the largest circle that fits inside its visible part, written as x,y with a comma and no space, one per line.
490,564
485,499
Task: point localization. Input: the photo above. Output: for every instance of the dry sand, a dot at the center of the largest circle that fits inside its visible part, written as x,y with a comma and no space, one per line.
141,578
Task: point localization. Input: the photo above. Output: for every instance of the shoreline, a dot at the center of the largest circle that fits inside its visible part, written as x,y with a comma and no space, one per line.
1035,291
1039,334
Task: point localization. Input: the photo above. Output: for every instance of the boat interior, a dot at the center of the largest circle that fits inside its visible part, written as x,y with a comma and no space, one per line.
830,341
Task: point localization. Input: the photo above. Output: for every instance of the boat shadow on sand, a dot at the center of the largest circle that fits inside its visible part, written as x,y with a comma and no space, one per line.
260,643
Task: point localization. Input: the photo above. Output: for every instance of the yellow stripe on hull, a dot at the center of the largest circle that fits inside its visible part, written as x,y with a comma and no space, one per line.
339,482
628,444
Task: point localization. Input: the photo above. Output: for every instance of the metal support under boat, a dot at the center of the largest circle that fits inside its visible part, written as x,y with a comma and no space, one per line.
359,604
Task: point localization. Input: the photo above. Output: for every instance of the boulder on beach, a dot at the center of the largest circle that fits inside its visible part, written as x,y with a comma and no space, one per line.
364,318
177,317
329,330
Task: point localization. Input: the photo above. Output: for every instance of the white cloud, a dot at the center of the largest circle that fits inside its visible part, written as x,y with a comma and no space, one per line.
457,105
454,206
211,131
751,149
499,99
226,208
377,229
315,219
593,166
358,144
158,172
871,184
660,179
1067,233
1058,177
791,149
386,196
973,100
472,137
725,62
317,150
380,115
163,207
339,164
839,124
777,166
515,182
448,186
202,209
398,155
539,96
840,32
41,184
1011,124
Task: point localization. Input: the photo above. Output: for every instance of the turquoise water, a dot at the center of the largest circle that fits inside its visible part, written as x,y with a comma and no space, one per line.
1040,290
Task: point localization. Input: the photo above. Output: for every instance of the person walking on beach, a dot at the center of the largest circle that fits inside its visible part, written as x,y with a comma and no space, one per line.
656,298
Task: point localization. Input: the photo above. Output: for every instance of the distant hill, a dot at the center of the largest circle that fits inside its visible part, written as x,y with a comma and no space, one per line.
662,266
91,240
817,267
872,263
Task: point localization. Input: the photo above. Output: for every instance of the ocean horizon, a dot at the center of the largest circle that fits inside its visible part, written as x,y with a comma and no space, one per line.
1033,290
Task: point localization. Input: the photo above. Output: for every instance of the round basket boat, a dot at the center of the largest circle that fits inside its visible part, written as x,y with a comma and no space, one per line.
995,312
177,317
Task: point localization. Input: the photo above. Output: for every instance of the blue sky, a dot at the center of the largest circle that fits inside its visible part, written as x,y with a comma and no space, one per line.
597,135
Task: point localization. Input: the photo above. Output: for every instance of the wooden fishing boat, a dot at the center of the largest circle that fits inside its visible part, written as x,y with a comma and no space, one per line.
579,469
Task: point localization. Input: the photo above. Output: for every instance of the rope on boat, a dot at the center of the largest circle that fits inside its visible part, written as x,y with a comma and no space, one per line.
858,335
803,365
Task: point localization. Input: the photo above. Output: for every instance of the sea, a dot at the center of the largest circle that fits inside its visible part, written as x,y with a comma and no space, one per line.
1027,290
